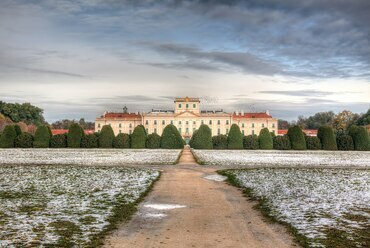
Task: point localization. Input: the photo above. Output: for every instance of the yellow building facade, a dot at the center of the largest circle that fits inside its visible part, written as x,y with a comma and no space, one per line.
187,116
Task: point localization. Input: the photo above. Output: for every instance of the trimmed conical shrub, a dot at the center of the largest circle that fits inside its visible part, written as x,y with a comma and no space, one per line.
138,137
202,138
250,142
153,141
327,138
282,143
360,137
265,139
90,141
235,138
171,138
8,137
345,143
17,129
58,141
219,142
24,140
42,137
74,136
296,137
122,140
313,143
106,137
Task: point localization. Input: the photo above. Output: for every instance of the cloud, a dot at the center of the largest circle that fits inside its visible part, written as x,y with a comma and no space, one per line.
310,93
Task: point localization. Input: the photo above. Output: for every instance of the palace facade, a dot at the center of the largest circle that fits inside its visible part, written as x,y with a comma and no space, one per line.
187,116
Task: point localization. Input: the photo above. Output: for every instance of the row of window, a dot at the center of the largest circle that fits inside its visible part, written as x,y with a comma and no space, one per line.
187,105
187,122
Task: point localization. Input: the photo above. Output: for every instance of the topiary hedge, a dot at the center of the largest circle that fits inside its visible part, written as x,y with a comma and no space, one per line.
42,137
138,137
17,129
74,135
296,137
250,142
219,141
235,138
90,141
171,138
313,143
58,141
202,138
282,143
8,137
345,143
360,137
106,137
24,140
122,140
153,141
265,139
327,138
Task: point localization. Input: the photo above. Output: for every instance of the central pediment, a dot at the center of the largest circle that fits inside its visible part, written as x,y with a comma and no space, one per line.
186,114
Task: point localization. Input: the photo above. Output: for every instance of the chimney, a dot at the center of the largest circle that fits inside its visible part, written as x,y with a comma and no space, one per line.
267,112
236,113
242,112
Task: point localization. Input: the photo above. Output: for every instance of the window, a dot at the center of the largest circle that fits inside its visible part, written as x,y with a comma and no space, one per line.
242,124
180,105
130,132
163,122
99,125
180,130
273,124
146,122
218,131
210,122
120,131
202,122
187,106
263,124
171,122
146,129
120,125
273,131
187,130
180,122
252,124
130,125
155,122
193,122
194,105
218,122
227,122
252,132
243,132
186,122
227,131
155,130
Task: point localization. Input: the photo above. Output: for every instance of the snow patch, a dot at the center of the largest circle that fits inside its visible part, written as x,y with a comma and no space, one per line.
164,206
217,178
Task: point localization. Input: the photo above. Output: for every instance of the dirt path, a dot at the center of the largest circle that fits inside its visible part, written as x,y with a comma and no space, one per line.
206,213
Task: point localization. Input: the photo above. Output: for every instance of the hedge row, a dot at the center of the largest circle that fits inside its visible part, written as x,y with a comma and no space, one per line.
357,139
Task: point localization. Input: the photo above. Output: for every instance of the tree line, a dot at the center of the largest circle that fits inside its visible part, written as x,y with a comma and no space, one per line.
13,137
339,122
355,138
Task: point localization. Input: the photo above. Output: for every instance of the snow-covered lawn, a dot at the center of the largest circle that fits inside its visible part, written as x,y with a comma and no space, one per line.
317,202
67,205
274,158
88,156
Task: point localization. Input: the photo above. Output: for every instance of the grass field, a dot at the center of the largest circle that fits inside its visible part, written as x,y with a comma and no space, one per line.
66,205
322,207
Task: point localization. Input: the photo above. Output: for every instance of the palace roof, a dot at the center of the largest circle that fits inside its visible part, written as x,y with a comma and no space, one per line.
251,115
122,115
187,99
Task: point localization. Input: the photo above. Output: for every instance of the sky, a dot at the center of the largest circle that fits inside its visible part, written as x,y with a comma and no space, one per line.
79,58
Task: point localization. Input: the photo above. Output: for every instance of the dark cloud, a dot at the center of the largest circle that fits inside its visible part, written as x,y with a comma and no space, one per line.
195,58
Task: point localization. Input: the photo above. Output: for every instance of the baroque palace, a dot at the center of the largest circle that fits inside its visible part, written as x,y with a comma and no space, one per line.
187,117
